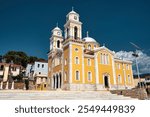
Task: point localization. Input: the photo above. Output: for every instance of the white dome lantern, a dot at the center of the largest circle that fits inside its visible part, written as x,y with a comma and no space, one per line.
72,15
57,31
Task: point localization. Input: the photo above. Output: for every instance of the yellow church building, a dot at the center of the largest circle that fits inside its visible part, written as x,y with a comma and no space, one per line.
76,63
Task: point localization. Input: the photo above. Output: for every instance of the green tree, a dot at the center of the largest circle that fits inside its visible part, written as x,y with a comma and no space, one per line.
17,57
20,58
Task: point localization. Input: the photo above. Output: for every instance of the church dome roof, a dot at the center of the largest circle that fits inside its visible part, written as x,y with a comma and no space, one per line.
57,28
72,12
89,39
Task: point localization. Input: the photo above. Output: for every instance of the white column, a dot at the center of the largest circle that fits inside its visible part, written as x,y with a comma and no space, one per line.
114,72
51,80
6,85
83,79
1,87
12,86
62,73
124,73
70,63
58,81
55,82
96,69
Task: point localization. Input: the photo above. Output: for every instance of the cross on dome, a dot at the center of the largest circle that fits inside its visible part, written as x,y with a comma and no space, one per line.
87,34
72,8
57,24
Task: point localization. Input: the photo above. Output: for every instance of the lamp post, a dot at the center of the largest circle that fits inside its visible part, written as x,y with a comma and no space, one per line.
137,67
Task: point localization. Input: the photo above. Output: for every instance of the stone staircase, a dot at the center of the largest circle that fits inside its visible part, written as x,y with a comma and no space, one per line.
60,95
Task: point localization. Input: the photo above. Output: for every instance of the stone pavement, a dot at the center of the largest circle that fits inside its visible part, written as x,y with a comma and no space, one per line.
60,95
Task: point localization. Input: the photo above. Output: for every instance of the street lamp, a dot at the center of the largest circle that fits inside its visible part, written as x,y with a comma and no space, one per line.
137,67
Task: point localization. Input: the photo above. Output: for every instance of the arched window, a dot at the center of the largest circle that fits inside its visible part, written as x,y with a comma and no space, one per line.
77,60
65,76
89,62
77,75
119,79
58,44
129,80
89,76
101,58
89,47
75,32
67,32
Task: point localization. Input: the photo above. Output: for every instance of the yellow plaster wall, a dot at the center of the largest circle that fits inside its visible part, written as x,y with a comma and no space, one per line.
76,66
105,69
66,67
87,69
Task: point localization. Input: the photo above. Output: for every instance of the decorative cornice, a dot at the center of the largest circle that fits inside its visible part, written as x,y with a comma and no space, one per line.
88,56
122,61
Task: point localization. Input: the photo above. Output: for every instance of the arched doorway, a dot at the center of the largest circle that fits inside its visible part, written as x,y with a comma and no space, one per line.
106,82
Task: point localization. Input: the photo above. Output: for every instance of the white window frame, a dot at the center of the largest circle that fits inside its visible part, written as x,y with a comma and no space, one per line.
78,74
89,62
77,60
65,76
89,46
90,76
65,61
129,78
119,79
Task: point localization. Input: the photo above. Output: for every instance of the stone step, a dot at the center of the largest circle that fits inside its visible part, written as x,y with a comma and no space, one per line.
59,94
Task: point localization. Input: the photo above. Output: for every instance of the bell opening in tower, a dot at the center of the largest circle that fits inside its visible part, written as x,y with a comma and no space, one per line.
75,32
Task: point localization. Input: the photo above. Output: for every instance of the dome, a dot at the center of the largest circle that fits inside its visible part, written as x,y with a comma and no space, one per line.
57,28
89,39
72,12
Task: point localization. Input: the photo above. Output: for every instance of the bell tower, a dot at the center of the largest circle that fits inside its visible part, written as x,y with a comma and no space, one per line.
73,26
56,39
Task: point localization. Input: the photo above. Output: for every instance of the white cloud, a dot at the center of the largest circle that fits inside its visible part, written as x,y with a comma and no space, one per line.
143,60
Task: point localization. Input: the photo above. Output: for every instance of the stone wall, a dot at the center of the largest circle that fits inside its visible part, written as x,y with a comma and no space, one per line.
16,85
133,93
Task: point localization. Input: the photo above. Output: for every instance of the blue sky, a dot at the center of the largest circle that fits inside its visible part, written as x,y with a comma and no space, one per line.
25,25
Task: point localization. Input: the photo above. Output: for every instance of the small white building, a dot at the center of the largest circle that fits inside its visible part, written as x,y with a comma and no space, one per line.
6,69
38,72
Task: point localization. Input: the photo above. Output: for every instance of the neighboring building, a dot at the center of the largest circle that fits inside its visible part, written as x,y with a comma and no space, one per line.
7,69
144,79
76,63
38,73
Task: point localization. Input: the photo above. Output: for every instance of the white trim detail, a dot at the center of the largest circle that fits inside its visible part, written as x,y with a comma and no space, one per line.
114,72
83,71
96,68
70,63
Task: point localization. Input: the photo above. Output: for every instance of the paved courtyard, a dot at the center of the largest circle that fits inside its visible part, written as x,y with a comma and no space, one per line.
57,95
